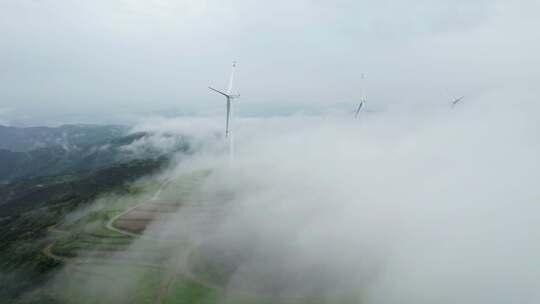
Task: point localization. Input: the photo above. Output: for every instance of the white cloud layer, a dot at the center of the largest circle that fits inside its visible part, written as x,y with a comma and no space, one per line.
405,208
412,206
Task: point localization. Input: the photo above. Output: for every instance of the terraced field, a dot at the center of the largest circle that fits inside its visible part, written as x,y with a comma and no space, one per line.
146,249
115,249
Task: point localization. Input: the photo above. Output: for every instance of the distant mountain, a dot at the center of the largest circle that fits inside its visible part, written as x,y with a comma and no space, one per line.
66,136
46,173
75,149
31,193
30,207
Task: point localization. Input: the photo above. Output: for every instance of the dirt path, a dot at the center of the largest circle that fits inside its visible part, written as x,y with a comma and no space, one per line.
179,267
47,251
110,223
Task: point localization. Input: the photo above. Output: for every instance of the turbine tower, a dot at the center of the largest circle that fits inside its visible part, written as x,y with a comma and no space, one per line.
363,98
229,97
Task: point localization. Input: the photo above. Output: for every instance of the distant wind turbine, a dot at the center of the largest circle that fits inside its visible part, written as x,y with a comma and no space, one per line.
229,97
363,98
456,101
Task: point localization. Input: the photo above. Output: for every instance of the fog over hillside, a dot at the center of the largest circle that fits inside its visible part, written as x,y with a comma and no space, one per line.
121,183
396,207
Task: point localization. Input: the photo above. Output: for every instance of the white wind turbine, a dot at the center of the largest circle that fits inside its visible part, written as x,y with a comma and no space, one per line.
363,98
229,98
456,101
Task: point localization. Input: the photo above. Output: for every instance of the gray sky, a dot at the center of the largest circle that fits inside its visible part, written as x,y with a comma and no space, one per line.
94,60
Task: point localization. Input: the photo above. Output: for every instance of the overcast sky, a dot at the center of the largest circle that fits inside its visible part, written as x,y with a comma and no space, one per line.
67,60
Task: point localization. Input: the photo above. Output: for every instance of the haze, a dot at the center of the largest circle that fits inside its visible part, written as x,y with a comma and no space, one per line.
413,201
397,207
114,61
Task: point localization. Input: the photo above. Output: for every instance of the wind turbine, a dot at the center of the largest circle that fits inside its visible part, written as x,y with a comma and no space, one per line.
363,98
456,101
229,97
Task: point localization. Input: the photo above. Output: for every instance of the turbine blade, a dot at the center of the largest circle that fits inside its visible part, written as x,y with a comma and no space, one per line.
218,91
359,108
231,79
362,88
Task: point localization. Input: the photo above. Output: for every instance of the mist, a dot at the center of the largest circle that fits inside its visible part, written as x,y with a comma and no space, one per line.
409,206
402,208
413,202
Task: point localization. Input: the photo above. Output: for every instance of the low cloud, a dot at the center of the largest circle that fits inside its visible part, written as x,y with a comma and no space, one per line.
408,206
396,207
